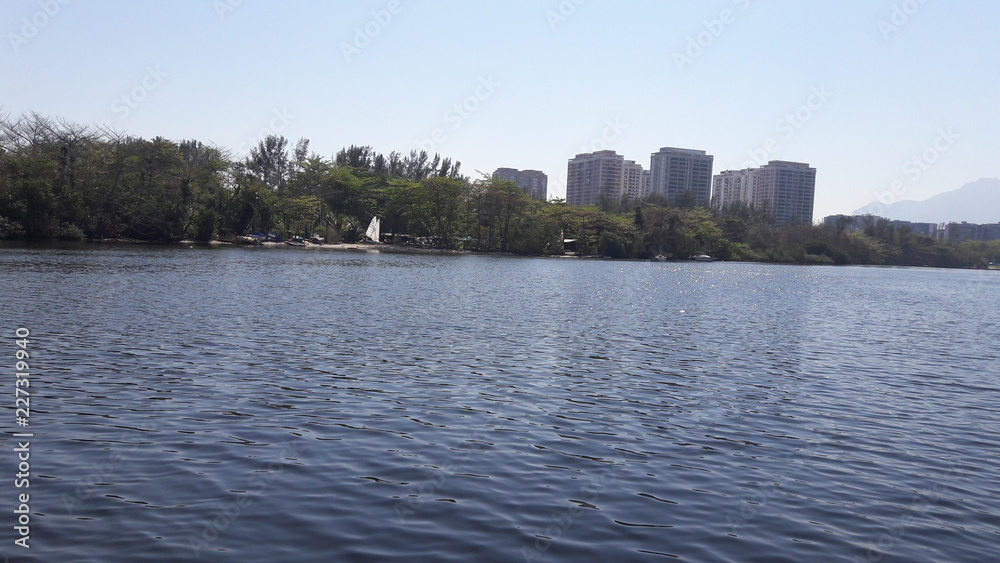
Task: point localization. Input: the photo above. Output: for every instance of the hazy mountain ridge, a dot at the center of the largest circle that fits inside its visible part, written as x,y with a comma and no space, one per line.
975,202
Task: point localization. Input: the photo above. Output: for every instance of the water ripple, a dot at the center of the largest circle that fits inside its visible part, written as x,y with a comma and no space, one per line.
257,406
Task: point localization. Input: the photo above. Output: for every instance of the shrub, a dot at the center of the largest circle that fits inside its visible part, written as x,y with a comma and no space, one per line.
67,231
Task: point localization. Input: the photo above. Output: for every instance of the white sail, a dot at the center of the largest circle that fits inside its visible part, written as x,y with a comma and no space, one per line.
374,229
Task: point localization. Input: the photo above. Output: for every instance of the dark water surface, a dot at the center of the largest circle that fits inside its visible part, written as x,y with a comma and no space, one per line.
292,405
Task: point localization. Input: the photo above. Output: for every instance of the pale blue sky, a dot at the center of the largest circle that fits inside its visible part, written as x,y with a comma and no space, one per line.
541,80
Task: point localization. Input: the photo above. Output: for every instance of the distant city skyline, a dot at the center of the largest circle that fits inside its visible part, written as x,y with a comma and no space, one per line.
882,96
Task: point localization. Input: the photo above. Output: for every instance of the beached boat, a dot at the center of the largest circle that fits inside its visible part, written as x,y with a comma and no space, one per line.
993,265
266,237
295,241
374,228
247,240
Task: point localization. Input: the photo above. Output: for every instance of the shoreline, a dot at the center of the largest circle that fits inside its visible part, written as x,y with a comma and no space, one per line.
352,246
407,249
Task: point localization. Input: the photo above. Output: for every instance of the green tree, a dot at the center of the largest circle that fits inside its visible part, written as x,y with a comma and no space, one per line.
442,198
269,162
611,245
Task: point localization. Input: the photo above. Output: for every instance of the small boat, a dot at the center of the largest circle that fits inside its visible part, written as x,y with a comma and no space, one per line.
994,265
373,233
702,258
248,240
266,237
296,241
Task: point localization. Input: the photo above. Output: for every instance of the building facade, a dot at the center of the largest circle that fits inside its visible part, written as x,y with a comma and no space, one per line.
784,190
924,229
864,222
674,171
961,232
533,182
731,186
595,177
634,178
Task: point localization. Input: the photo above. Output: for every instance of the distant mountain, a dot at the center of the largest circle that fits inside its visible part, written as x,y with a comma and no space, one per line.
976,202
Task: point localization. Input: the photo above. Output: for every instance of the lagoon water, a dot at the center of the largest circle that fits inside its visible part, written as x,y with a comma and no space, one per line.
227,404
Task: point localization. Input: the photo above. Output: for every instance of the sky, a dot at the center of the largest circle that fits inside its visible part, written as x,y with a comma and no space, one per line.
888,99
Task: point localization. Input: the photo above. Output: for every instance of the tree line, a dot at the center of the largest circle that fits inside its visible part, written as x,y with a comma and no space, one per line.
60,180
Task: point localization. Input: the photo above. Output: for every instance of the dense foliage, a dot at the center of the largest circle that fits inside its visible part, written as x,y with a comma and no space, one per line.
61,180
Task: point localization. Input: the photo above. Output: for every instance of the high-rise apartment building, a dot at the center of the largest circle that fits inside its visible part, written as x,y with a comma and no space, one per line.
604,176
785,190
593,177
533,182
634,178
734,185
675,171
